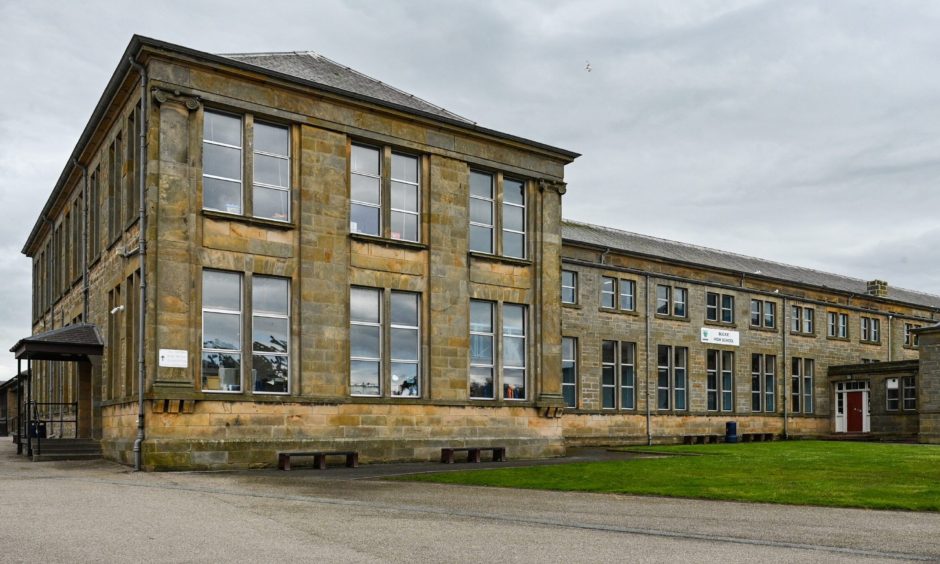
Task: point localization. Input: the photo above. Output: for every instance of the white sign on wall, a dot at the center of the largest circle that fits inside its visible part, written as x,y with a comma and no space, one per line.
174,358
720,336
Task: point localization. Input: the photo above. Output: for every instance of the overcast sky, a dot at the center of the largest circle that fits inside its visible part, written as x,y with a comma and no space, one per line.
802,132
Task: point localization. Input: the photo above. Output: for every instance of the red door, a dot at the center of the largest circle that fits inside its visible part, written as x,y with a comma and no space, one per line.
853,402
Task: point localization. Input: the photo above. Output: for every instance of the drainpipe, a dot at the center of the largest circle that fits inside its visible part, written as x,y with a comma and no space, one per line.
84,239
786,375
142,245
649,314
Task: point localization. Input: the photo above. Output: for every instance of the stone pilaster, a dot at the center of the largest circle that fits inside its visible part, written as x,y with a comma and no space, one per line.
928,385
550,401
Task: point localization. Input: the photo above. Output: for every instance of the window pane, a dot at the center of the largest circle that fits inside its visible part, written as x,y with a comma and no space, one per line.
404,167
481,316
364,378
221,371
513,218
609,397
481,239
272,170
269,295
609,352
271,138
755,312
221,331
404,226
269,373
513,192
513,320
405,344
270,203
221,195
513,244
569,394
365,160
513,351
365,189
222,128
221,161
514,384
405,379
404,196
481,184
364,305
404,309
364,341
221,290
364,219
481,349
269,334
481,382
481,211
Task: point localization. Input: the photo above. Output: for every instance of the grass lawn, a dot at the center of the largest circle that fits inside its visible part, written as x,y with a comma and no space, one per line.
839,474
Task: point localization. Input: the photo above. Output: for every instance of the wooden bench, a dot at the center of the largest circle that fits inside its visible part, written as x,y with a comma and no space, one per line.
473,454
701,439
757,437
319,458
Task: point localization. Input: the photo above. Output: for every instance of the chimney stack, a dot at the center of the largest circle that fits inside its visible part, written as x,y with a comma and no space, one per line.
878,288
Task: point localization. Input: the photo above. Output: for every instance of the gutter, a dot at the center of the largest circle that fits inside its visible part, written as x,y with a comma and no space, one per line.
142,255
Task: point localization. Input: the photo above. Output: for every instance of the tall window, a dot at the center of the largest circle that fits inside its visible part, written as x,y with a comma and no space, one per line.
618,294
512,219
892,394
618,375
763,314
270,334
569,371
115,176
910,338
627,299
909,393
719,307
763,382
801,391
871,329
569,287
221,331
380,175
94,203
719,380
672,366
512,358
671,301
370,354
223,163
132,150
802,320
837,325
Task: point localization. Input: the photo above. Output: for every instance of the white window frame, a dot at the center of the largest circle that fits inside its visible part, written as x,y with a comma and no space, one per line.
524,206
492,204
241,337
254,181
892,385
417,185
908,393
491,335
573,286
352,202
241,162
287,352
378,360
392,361
573,360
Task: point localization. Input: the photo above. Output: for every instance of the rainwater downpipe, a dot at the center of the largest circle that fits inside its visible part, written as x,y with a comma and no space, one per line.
649,413
784,373
84,239
142,256
890,343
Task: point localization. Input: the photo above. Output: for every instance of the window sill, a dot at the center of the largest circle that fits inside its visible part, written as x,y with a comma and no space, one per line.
831,338
762,328
724,324
571,306
802,334
615,311
499,258
270,223
911,347
671,317
388,242
872,343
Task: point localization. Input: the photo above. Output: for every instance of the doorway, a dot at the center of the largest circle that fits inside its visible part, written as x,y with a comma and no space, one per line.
852,407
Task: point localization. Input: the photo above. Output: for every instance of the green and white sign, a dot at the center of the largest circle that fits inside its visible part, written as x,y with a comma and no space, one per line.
720,337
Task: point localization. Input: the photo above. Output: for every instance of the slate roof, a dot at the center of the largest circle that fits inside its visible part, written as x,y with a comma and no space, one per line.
637,244
78,338
314,67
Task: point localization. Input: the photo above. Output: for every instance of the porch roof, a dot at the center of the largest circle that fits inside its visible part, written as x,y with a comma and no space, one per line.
70,343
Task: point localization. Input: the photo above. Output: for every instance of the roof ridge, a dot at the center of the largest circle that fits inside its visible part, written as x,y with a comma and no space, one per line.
732,253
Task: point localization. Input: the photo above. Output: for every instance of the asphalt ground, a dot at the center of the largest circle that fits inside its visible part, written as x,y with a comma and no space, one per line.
96,511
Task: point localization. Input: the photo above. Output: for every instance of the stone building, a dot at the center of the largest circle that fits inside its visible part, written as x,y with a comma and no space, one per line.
259,252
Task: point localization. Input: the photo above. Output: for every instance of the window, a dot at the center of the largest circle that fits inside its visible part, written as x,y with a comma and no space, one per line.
94,203
377,364
221,331
379,175
763,314
763,382
618,371
802,385
719,307
512,357
720,380
270,334
223,162
132,158
484,188
802,320
909,392
569,371
910,338
671,301
222,343
892,394
837,325
671,377
115,174
871,329
617,293
569,287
